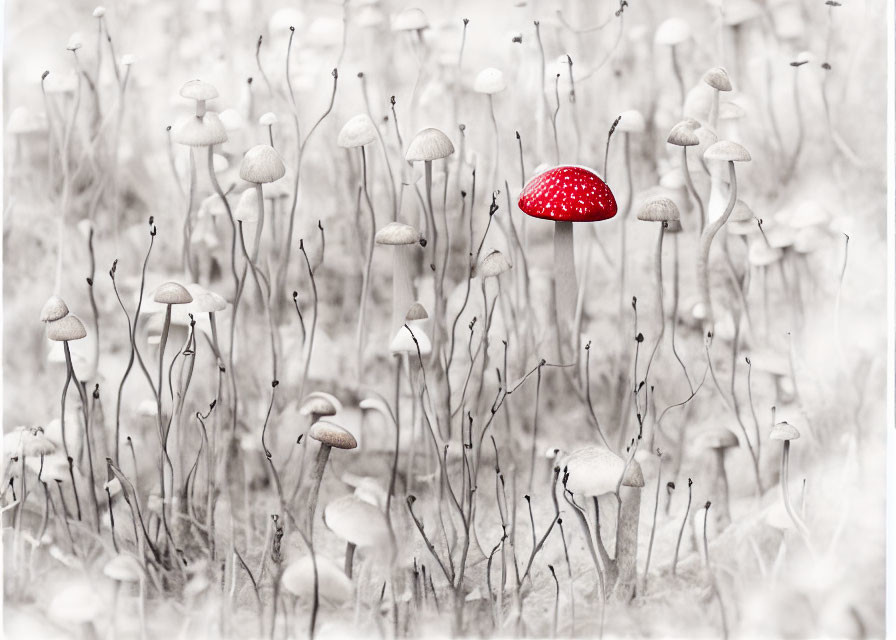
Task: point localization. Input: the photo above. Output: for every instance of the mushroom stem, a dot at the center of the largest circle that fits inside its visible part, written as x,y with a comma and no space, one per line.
188,228
349,557
365,284
691,188
402,289
317,475
627,542
565,284
684,523
661,316
723,511
200,108
656,507
676,68
259,226
714,110
706,239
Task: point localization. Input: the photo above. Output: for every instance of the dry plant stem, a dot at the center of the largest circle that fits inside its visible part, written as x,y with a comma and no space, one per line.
86,417
684,523
656,505
692,189
383,146
798,145
66,185
785,496
676,68
706,238
365,285
712,578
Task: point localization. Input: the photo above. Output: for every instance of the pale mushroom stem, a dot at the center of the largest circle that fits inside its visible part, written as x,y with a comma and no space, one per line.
565,284
706,239
260,225
656,507
722,499
402,289
365,284
691,188
661,316
317,475
188,222
84,408
714,110
676,67
349,558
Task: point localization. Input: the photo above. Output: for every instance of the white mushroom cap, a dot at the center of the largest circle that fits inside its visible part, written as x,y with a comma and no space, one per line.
594,471
52,468
99,12
172,293
123,568
23,120
27,441
357,132
246,209
490,80
397,233
317,405
659,210
683,135
762,255
492,265
267,119
784,431
672,32
631,121
731,111
403,342
741,212
74,41
66,329
262,164
357,521
332,584
284,18
196,131
718,79
232,120
198,90
415,312
809,240
128,59
410,20
54,309
727,151
204,301
779,236
332,434
429,144
333,400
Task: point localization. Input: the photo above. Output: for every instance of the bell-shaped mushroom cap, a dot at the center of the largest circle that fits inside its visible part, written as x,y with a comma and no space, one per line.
333,400
672,32
22,120
332,434
770,361
762,255
779,236
76,603
357,132
262,164
717,438
99,11
196,131
204,301
246,209
267,119
333,586
631,121
54,309
66,328
718,79
74,41
357,521
731,111
659,210
198,90
494,264
808,240
593,471
727,151
489,80
397,233
317,405
633,477
416,312
123,568
741,212
683,135
232,120
404,340
429,144
568,193
412,19
172,293
784,431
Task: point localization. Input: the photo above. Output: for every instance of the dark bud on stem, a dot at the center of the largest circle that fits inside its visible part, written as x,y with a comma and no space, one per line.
690,482
89,282
44,75
670,486
96,392
639,338
274,383
291,28
707,505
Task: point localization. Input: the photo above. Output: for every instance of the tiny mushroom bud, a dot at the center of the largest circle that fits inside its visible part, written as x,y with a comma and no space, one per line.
489,81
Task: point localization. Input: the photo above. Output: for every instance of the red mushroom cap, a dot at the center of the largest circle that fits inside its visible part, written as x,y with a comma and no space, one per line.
568,193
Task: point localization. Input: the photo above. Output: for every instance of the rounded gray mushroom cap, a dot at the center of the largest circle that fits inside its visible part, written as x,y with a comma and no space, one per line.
332,435
741,212
659,209
357,521
357,132
123,568
490,80
317,405
718,79
172,293
54,309
262,164
199,131
717,438
594,471
66,329
198,90
672,32
429,144
332,584
416,312
784,431
205,301
397,233
631,121
727,151
492,265
683,135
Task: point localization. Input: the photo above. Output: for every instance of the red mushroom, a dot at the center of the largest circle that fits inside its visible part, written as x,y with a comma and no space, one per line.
567,194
